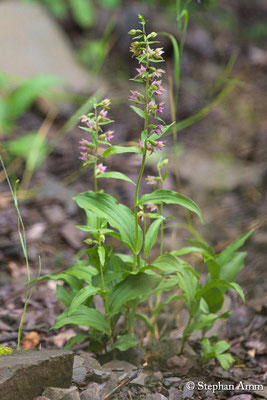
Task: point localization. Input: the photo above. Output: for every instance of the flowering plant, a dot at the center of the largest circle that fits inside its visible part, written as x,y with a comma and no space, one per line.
124,280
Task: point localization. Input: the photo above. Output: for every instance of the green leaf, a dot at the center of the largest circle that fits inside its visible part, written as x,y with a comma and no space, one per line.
110,4
170,197
83,316
101,254
64,295
188,282
223,284
227,253
117,215
72,281
84,272
138,111
121,150
164,131
115,175
79,338
31,147
168,263
83,12
23,97
230,270
189,250
144,318
125,342
221,347
81,297
203,321
139,286
226,360
214,297
170,299
176,54
151,236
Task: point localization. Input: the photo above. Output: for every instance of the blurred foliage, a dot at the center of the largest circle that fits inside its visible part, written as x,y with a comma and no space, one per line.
14,102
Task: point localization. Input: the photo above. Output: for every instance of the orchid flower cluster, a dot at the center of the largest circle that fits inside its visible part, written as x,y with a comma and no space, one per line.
93,125
149,76
132,276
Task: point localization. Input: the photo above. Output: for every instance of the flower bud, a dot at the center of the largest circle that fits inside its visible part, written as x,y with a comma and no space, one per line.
102,238
88,241
132,32
153,34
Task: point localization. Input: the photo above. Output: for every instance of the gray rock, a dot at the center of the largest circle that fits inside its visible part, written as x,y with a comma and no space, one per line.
47,49
119,367
175,394
158,396
54,393
141,380
82,367
98,375
172,381
109,385
89,361
24,374
91,393
41,398
79,375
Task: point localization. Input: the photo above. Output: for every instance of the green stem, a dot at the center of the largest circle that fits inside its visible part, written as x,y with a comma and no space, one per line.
185,338
141,171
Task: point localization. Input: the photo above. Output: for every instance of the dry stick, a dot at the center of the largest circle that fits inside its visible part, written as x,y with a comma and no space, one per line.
129,377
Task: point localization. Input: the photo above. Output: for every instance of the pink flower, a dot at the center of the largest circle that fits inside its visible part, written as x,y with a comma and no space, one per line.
158,87
109,135
157,146
135,94
140,70
158,73
100,168
86,120
160,107
140,143
84,144
158,129
84,156
103,114
158,52
151,206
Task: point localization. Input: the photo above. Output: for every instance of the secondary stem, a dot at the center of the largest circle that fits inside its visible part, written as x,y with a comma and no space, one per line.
141,171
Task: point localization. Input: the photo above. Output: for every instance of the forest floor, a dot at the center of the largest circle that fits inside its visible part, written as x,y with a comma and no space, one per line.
222,167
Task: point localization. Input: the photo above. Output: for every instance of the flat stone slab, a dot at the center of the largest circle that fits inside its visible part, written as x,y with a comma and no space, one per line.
32,43
25,374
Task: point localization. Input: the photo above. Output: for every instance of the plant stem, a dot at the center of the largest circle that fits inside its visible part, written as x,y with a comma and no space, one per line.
141,171
184,339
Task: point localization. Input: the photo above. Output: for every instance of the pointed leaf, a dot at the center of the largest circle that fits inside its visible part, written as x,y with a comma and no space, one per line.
121,150
138,111
115,175
83,316
117,215
230,269
81,297
144,318
125,342
151,236
170,197
139,286
221,283
227,253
